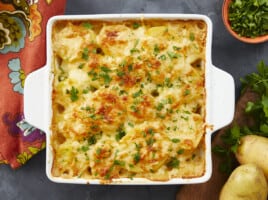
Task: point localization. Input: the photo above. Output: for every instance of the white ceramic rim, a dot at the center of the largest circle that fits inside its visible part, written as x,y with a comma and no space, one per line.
219,88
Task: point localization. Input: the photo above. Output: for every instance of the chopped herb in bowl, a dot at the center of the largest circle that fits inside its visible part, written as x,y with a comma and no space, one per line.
249,18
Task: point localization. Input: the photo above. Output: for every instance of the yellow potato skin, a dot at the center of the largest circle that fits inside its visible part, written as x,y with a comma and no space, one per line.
254,149
247,182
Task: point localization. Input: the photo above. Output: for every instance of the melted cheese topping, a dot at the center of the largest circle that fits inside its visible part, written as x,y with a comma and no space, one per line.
128,99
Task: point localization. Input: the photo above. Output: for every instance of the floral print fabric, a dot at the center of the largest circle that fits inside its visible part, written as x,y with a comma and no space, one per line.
22,50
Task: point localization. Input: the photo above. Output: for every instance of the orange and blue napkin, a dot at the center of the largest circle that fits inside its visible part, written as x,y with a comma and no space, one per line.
22,50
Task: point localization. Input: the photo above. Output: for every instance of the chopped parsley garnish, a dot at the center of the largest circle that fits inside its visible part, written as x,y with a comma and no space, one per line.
95,50
150,131
175,140
159,106
167,82
98,151
94,127
93,74
92,116
137,157
62,77
180,151
134,108
187,92
162,57
85,54
81,66
105,69
156,50
107,79
137,94
136,25
87,25
172,55
173,163
121,133
120,73
121,92
186,118
192,37
92,140
130,124
176,48
249,18
85,148
87,108
86,90
134,49
73,93
119,163
150,141
130,68
169,100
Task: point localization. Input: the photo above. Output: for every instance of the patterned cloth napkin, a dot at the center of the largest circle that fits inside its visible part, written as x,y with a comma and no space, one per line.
22,50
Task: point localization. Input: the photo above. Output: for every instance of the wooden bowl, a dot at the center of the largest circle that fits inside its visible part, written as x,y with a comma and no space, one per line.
226,22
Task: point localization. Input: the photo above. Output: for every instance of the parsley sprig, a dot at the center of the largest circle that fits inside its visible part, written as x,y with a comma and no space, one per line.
258,110
73,92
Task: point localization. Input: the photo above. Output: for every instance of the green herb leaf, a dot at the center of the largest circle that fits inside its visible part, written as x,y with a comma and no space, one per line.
156,50
92,140
87,25
107,79
120,73
159,106
175,48
136,25
150,141
85,148
175,140
130,68
105,69
137,94
81,66
173,163
187,92
130,124
137,157
180,151
85,54
121,133
119,163
192,37
74,94
264,102
172,55
162,57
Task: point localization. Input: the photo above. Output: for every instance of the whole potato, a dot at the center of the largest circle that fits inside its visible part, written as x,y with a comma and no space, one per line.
247,182
254,149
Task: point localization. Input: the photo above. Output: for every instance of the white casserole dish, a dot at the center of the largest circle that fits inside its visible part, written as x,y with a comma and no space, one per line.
219,89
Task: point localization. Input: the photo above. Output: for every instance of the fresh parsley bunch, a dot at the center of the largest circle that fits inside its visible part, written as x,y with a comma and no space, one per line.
258,110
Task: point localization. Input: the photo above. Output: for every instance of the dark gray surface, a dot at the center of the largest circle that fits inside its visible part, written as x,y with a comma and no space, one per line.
30,182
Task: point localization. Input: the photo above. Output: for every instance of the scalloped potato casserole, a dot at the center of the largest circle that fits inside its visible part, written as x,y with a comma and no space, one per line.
129,99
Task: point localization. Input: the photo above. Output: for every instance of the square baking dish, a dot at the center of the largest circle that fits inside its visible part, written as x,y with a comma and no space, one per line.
219,87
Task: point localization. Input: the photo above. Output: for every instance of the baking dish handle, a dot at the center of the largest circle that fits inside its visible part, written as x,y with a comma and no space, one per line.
223,98
35,98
